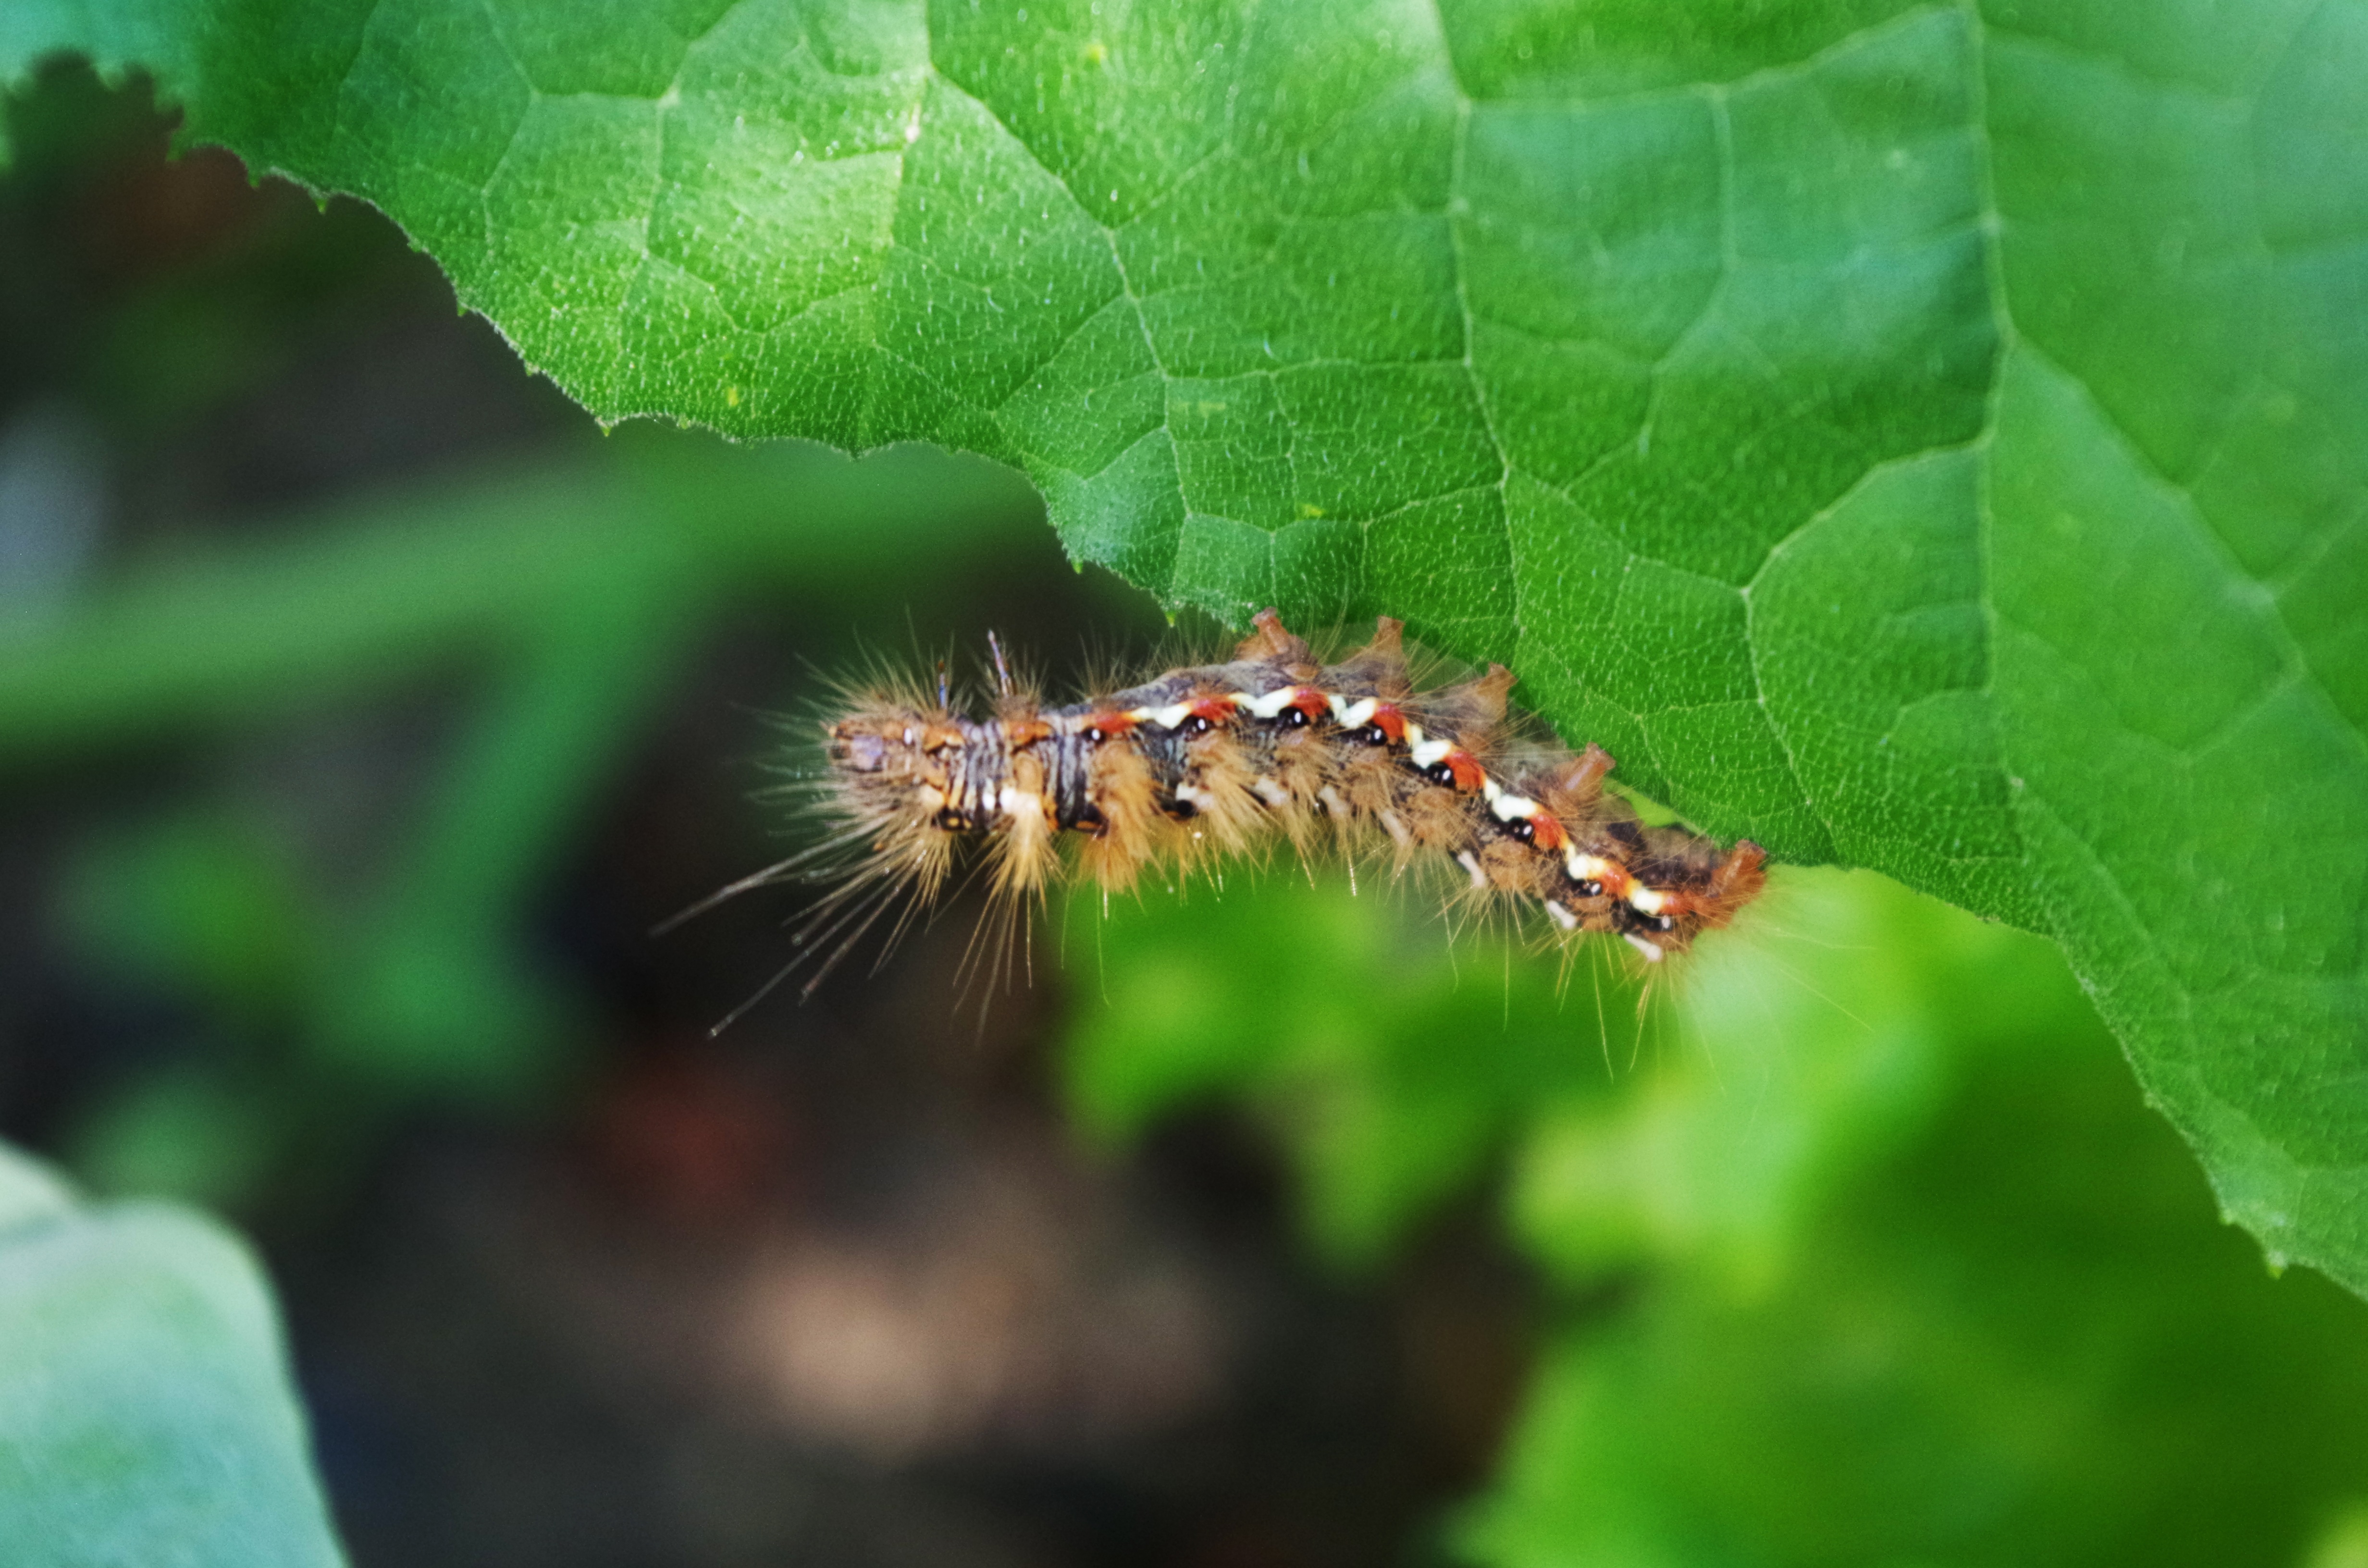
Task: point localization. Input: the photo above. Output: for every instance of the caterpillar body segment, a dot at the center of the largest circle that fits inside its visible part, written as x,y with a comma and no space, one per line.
1229,759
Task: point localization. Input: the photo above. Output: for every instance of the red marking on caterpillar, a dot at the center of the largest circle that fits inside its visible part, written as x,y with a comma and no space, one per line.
1390,722
1224,758
1464,770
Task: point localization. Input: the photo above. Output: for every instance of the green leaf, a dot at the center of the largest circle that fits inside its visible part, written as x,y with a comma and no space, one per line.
144,1408
2017,1337
1807,1047
1927,437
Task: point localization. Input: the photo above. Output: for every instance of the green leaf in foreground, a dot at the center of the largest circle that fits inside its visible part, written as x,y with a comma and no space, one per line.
145,1414
1925,437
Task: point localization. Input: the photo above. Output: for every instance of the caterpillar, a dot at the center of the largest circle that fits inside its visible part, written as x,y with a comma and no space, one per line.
1224,759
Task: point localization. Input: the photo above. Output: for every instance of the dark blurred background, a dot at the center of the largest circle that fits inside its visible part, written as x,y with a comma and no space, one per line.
363,707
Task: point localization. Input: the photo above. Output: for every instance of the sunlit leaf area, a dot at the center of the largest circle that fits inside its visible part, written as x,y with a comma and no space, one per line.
1932,440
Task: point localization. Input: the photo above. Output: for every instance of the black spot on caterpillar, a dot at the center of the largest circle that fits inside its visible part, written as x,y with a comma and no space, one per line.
1224,759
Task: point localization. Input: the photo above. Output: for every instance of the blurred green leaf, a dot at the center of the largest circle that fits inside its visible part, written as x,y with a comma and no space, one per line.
498,564
1801,1049
185,1131
575,588
1923,437
2018,1339
1904,1271
145,1414
1391,1064
197,904
2344,1542
1708,1119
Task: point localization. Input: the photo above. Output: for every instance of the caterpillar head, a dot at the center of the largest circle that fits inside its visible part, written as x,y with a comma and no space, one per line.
914,782
895,767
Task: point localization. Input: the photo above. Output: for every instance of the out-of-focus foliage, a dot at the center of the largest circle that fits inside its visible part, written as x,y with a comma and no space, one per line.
145,1414
140,1387
1839,409
1869,1252
569,596
1394,1089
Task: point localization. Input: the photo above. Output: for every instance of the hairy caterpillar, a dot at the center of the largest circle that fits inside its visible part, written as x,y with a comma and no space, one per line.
1220,759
